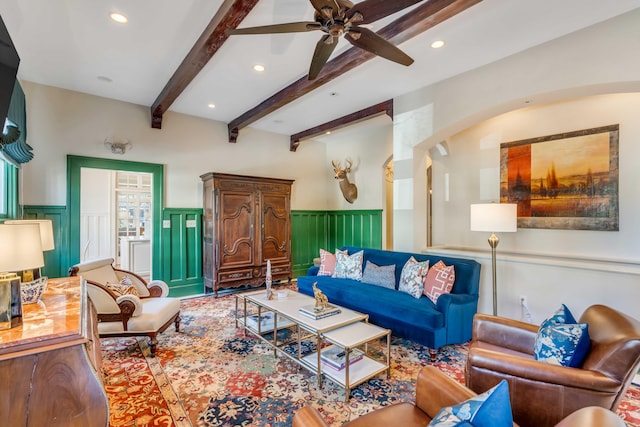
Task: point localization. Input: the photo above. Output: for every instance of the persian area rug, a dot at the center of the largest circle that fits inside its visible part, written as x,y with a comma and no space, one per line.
211,374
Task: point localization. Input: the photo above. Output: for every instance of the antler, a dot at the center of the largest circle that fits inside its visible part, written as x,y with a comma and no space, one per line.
350,163
336,166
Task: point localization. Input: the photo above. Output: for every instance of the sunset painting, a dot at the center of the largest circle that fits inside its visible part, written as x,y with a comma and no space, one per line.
564,181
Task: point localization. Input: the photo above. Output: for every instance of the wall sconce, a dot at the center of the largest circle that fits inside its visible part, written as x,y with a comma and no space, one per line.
118,147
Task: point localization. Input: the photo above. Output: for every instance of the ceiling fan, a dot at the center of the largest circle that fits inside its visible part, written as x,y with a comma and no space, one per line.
338,18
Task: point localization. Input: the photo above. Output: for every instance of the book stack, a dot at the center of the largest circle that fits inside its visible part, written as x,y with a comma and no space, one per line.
311,311
265,320
335,357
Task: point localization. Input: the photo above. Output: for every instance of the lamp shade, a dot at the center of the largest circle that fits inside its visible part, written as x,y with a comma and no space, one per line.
46,230
494,217
20,247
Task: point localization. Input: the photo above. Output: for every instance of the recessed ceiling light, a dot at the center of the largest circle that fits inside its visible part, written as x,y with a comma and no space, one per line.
259,68
211,105
437,44
328,132
118,17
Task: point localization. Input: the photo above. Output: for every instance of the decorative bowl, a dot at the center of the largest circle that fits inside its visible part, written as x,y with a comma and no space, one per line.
32,291
282,294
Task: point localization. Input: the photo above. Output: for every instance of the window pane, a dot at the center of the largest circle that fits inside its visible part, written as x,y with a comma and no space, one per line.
3,187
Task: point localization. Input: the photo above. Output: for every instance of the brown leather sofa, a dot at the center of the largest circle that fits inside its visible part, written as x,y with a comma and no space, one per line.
435,390
542,394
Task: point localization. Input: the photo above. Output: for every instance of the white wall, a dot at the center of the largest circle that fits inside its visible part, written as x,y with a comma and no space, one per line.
62,122
548,266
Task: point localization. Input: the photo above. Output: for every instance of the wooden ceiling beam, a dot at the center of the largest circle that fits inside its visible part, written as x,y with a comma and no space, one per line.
229,16
419,20
385,107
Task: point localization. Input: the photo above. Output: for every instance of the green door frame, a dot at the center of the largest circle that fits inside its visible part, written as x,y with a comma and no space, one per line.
75,163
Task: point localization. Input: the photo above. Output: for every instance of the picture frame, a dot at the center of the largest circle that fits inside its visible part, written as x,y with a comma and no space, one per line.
563,181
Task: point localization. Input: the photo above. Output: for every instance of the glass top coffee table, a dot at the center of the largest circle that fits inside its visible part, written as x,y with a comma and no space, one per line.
346,335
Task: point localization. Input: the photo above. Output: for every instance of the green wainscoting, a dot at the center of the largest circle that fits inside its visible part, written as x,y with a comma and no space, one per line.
56,261
182,251
313,230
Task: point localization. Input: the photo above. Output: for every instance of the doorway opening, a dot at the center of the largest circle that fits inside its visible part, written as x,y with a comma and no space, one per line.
148,211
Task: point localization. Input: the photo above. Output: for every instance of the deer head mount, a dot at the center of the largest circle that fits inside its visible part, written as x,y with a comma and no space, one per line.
349,190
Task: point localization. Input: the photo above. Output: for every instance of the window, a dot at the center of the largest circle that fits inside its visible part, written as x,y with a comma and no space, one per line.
8,189
133,192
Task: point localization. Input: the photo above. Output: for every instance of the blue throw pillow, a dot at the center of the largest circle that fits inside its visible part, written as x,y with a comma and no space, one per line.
561,340
489,409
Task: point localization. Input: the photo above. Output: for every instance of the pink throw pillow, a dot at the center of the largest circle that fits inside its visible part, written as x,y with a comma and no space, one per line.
327,263
439,281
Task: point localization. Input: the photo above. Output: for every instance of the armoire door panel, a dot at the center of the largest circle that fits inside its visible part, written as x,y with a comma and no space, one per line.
237,229
276,227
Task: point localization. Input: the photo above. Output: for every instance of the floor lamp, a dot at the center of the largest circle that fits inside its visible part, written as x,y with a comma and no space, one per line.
494,218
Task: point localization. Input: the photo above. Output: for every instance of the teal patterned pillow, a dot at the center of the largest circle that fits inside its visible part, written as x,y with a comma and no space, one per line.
380,275
348,266
412,277
489,409
561,340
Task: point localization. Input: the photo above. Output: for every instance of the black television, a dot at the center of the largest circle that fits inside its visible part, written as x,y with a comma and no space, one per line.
9,61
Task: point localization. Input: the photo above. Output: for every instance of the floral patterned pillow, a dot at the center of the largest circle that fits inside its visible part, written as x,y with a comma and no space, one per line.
561,340
348,266
489,409
412,277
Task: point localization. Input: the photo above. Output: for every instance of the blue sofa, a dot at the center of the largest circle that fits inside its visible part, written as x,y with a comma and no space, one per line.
417,319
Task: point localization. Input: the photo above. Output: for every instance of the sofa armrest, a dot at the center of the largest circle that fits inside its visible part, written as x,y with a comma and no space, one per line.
436,390
484,361
447,300
308,416
313,271
506,333
158,288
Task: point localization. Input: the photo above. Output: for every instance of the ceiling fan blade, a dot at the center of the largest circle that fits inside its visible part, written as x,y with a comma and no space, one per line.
321,55
366,39
372,10
292,27
318,5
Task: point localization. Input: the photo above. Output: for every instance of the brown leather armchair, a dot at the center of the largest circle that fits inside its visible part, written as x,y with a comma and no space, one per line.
542,394
435,390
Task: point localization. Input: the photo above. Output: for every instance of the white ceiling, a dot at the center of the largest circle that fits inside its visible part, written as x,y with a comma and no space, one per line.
74,45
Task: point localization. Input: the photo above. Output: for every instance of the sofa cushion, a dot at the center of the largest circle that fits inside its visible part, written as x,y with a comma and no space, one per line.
348,266
379,275
439,280
327,263
124,287
489,409
412,277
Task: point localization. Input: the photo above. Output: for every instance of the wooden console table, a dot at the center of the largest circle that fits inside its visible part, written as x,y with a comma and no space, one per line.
50,365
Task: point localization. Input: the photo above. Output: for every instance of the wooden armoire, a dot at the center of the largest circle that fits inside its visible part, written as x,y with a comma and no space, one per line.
247,221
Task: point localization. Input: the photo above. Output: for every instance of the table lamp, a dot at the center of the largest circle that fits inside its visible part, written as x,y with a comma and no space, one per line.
46,239
494,218
20,249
